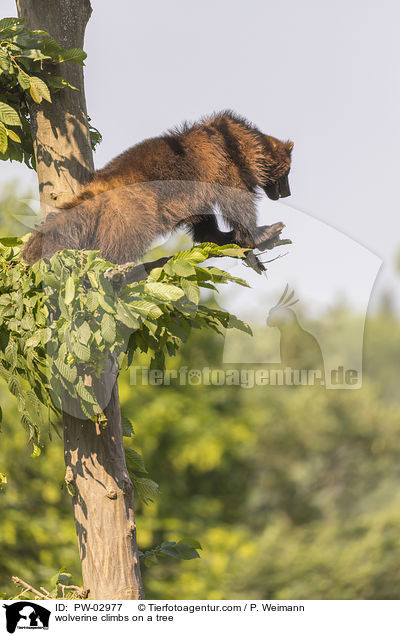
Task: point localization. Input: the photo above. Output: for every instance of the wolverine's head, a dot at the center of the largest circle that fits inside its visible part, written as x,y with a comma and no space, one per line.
278,159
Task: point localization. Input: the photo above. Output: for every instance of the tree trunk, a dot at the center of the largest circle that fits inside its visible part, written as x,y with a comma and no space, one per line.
60,131
95,461
103,504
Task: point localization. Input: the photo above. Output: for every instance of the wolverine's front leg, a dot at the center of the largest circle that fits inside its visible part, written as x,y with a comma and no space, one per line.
239,210
204,229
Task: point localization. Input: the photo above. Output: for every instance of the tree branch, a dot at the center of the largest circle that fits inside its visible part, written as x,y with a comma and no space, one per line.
27,587
122,275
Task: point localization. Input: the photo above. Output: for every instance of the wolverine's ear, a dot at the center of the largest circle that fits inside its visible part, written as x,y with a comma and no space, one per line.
289,146
272,141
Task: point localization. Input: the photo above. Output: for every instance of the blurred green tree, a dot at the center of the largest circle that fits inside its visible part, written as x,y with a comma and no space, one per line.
292,490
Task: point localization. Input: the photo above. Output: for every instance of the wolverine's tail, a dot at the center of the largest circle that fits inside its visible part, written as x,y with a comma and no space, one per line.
86,193
69,229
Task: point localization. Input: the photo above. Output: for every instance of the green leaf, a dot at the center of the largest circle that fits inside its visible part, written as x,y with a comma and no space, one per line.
34,340
13,135
5,61
188,550
32,403
81,351
33,54
14,386
72,55
69,291
150,560
92,301
191,290
165,291
45,335
3,480
105,304
5,23
108,328
179,550
182,268
26,423
127,427
3,138
144,307
83,334
232,250
235,323
10,353
125,316
4,373
57,82
147,489
94,279
64,578
195,255
169,548
28,322
39,89
50,280
34,93
24,80
9,115
10,241
192,543
41,32
68,372
135,462
36,451
51,47
84,393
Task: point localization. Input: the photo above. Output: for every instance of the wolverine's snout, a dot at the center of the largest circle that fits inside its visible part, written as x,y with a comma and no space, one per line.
278,190
272,191
284,188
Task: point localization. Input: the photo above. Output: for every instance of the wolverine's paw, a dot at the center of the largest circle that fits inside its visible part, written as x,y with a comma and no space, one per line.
267,235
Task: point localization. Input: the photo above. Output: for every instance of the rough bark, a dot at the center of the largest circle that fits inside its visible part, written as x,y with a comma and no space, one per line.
95,461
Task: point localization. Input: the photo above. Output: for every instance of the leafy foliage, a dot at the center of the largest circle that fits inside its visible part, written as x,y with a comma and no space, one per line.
62,322
185,549
26,61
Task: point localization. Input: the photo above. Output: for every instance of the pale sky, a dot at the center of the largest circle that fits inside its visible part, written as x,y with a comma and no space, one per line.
320,73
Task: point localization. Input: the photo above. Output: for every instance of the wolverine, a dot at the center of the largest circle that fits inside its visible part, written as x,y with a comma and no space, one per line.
180,179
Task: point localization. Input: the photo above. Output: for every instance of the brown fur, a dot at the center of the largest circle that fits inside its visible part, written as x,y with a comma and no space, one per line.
169,181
